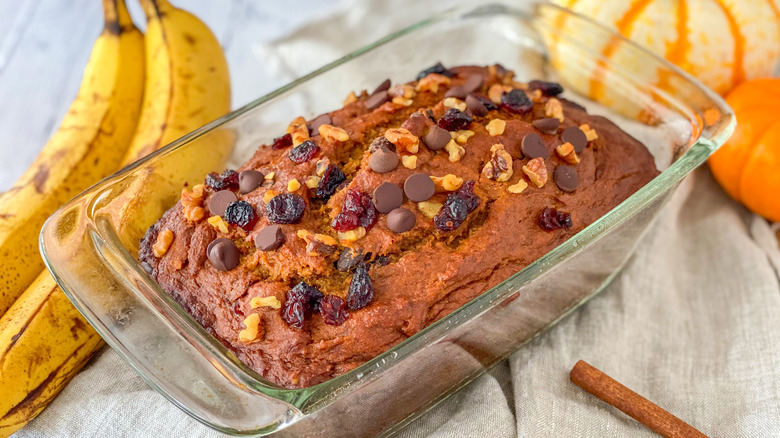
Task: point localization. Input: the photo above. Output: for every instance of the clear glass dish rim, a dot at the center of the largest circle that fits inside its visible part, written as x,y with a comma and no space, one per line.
311,397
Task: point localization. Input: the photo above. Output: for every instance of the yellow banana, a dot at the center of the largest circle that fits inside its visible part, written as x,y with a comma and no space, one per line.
187,85
89,144
44,342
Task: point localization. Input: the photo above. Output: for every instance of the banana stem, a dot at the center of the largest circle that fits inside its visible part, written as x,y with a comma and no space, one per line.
154,9
116,15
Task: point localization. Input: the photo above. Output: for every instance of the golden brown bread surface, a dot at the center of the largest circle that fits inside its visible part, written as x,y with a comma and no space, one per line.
418,276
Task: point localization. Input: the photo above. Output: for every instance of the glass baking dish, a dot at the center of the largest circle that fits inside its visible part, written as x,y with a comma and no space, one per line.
90,244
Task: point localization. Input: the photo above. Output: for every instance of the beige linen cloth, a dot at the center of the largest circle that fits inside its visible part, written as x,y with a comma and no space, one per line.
691,322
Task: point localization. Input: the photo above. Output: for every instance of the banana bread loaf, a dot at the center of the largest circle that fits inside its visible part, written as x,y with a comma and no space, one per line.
358,228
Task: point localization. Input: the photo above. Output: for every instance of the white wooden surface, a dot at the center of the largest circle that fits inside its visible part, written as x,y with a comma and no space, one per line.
45,44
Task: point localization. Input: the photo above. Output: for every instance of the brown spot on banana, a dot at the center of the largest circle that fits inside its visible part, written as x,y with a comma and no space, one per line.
39,180
189,38
4,216
31,401
78,324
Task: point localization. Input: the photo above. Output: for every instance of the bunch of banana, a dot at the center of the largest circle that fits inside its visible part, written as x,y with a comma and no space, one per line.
88,146
44,340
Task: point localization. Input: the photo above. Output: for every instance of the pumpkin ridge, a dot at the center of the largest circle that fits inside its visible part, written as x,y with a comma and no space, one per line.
624,28
738,72
678,50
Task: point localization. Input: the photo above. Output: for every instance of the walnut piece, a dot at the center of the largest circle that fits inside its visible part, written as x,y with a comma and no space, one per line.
590,133
447,183
495,127
429,208
553,108
409,161
499,167
462,136
270,301
405,91
298,130
536,171
455,150
194,214
351,98
293,185
402,101
496,91
252,330
219,224
352,235
404,140
454,102
313,181
432,82
333,133
519,187
567,153
318,244
163,242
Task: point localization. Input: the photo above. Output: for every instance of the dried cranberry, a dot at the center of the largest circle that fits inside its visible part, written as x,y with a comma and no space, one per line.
228,180
237,309
516,101
285,209
361,291
300,299
547,88
345,221
551,219
358,211
457,207
333,309
282,142
241,213
293,312
454,120
437,68
330,181
304,152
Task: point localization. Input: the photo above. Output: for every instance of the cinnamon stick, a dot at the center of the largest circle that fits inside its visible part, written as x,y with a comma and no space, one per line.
634,405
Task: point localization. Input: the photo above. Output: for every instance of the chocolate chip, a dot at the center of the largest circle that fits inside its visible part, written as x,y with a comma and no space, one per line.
473,83
456,91
349,258
475,106
415,124
387,197
269,238
249,180
401,220
377,99
384,86
323,119
533,146
381,143
220,200
419,187
383,160
223,254
437,138
548,125
547,88
576,137
566,178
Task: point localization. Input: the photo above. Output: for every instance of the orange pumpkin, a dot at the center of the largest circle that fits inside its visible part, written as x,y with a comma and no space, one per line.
748,165
721,42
